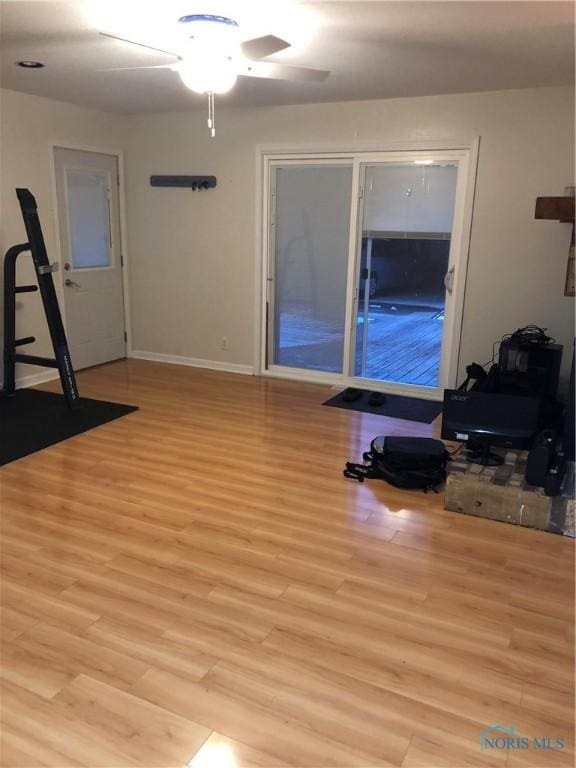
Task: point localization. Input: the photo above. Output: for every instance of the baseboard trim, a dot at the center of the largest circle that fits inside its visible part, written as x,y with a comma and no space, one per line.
33,379
193,362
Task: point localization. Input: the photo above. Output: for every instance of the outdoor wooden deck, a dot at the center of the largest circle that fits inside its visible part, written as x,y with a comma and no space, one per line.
403,346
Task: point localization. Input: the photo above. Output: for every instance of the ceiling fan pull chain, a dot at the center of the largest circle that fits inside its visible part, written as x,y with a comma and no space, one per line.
211,121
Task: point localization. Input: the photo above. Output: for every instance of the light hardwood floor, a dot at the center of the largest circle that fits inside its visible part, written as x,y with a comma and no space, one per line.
196,584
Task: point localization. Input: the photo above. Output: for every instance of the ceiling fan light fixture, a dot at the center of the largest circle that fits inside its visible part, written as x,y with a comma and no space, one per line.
211,55
216,75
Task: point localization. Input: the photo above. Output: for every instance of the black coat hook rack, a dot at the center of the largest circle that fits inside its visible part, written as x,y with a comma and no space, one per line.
193,182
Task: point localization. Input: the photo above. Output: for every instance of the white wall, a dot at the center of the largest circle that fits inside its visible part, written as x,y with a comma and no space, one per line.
193,254
27,126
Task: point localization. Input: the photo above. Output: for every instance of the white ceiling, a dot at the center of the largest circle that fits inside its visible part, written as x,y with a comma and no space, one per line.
373,49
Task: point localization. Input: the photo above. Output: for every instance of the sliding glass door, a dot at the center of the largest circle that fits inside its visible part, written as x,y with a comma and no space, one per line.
308,276
364,268
403,269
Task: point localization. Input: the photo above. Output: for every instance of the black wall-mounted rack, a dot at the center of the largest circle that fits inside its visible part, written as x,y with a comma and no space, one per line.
193,182
44,270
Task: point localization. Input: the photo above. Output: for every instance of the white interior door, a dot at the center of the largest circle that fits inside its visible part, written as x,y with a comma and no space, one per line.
89,222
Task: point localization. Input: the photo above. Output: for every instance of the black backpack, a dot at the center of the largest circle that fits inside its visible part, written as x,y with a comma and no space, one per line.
405,462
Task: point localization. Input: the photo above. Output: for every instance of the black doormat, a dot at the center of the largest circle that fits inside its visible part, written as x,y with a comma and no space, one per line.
31,420
394,407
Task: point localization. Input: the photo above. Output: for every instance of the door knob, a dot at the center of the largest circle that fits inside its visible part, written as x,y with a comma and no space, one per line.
70,283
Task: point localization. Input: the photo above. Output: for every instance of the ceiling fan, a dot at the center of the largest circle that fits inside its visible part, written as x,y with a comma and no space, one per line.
212,56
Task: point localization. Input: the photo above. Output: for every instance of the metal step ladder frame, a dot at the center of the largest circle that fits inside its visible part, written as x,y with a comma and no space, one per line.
44,270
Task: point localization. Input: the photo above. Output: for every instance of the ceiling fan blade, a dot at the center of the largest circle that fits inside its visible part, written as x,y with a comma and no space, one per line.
283,72
260,47
141,45
126,69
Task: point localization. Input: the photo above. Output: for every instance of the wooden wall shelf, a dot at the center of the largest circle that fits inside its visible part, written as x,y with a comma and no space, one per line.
555,208
560,209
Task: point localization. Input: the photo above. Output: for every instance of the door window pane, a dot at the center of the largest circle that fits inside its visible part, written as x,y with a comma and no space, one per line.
89,219
406,230
311,256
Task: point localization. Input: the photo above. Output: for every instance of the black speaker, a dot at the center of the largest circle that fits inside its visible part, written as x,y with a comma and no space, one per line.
555,475
569,427
541,457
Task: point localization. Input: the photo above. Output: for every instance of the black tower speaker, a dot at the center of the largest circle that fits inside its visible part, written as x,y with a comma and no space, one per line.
568,436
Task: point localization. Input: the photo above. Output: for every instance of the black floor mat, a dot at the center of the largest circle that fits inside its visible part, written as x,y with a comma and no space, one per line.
394,407
32,420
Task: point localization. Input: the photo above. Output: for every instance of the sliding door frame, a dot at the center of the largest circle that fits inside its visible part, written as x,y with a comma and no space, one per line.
269,339
457,265
268,158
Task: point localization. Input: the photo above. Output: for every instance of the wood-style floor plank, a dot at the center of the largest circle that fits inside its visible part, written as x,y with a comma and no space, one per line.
219,750
244,714
196,585
149,734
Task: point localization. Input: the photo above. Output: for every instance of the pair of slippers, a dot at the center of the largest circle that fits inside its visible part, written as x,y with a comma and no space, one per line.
351,395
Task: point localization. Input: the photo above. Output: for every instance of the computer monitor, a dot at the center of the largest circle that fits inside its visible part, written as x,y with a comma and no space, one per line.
485,420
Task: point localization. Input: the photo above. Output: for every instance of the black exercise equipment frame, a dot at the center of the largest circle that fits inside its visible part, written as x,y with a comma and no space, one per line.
62,360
